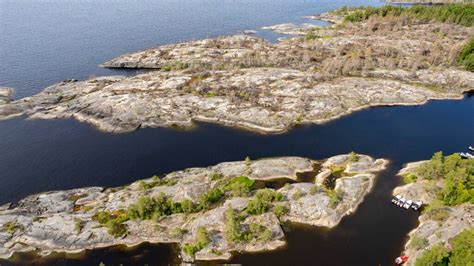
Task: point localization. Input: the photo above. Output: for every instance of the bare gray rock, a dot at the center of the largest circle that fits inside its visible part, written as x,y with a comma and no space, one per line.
5,95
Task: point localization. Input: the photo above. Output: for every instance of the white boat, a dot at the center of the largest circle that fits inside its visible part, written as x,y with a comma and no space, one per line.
401,202
416,205
466,155
471,148
396,199
407,204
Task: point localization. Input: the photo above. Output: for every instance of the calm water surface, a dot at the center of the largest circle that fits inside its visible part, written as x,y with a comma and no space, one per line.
43,42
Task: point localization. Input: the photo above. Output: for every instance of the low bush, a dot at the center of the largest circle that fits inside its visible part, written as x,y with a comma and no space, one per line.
466,56
298,194
113,221
202,240
461,14
335,197
262,200
279,210
418,243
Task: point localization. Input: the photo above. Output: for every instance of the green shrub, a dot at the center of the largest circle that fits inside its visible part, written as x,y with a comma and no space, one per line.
178,232
462,252
188,206
315,189
215,176
210,197
113,221
458,175
232,231
248,163
280,210
409,178
418,243
436,255
310,35
259,232
152,208
353,157
12,227
335,197
78,225
461,14
436,211
298,194
261,201
239,186
201,241
466,56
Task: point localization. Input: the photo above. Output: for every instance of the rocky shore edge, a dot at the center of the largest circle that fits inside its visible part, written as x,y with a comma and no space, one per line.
439,224
210,212
246,82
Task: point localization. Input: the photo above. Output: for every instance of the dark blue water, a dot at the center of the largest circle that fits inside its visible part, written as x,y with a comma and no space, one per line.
42,42
46,41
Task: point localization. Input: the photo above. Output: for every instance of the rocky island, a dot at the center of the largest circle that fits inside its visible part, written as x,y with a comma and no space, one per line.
210,212
366,58
446,230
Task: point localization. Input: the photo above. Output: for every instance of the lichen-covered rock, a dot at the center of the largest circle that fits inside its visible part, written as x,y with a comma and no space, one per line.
68,221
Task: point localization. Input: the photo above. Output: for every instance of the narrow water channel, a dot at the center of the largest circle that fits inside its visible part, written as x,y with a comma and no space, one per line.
64,154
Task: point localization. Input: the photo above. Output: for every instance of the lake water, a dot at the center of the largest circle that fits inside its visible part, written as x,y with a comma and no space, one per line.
42,42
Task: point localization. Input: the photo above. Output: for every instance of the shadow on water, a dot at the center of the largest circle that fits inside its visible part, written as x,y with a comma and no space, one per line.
62,154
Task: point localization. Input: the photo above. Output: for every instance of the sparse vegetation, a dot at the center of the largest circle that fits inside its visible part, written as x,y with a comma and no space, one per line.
232,226
466,56
262,200
78,225
409,178
436,255
335,197
113,221
315,189
279,210
175,66
436,211
11,227
353,157
156,181
248,164
462,14
461,253
178,232
202,240
298,194
418,243
259,232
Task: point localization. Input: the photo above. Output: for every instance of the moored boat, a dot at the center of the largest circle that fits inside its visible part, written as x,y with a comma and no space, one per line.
401,260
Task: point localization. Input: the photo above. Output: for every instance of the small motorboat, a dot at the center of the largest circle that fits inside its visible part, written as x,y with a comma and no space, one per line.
401,202
471,148
407,204
401,260
466,155
416,205
396,199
